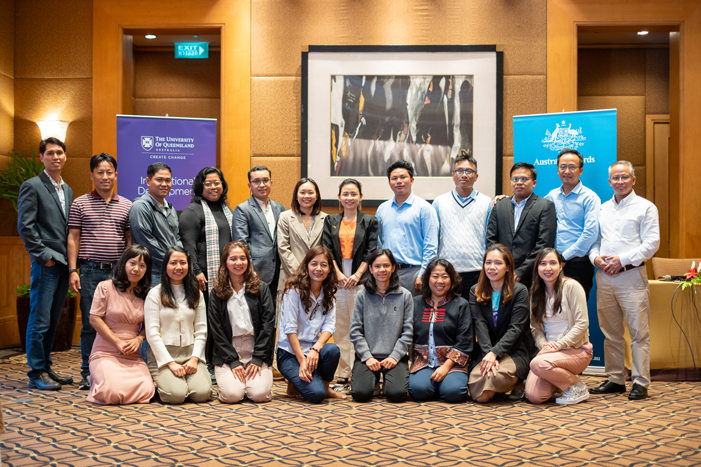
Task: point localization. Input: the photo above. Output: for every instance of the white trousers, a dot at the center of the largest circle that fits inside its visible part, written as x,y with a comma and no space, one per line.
231,389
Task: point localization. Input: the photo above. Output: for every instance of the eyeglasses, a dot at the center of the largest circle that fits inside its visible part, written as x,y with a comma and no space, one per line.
316,307
212,184
564,167
622,178
258,181
520,179
461,172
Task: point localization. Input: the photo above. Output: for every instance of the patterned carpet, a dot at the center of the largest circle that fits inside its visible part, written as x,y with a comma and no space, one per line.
61,428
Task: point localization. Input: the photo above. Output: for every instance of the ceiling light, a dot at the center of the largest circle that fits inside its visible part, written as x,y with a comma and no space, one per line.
151,36
642,33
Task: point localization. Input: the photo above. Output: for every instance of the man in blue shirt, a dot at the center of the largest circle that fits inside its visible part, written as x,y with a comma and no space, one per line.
577,218
408,227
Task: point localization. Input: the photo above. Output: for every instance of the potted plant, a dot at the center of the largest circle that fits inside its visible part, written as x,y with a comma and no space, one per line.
66,325
19,169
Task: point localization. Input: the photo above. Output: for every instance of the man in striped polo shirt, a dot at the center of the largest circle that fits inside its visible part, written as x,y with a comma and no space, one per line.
463,215
98,234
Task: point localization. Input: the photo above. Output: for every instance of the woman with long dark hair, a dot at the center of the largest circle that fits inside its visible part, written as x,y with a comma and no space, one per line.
242,325
500,311
176,329
443,336
118,373
352,237
308,321
381,331
560,327
299,228
206,225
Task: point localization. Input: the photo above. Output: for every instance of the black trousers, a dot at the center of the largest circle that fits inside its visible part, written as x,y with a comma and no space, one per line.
468,279
581,270
363,381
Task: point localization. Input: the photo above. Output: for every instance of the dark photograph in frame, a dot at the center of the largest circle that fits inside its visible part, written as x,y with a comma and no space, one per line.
364,107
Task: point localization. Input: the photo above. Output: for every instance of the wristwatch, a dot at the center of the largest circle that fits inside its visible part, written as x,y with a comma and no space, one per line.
72,270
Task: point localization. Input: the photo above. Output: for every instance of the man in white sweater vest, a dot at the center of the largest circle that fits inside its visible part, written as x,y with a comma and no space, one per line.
463,214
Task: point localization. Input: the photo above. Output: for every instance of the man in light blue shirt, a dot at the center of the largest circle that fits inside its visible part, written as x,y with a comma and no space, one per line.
577,218
408,227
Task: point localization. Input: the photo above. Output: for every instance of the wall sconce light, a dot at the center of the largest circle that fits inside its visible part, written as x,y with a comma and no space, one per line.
55,128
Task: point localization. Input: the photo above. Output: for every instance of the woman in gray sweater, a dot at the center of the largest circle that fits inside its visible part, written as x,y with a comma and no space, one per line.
381,331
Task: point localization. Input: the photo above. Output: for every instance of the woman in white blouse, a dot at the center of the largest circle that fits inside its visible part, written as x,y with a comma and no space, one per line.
242,326
176,330
304,357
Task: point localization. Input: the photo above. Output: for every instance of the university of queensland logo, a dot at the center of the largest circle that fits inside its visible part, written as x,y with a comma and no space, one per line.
563,137
147,142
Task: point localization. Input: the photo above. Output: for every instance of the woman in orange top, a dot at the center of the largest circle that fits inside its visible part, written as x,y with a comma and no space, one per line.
352,237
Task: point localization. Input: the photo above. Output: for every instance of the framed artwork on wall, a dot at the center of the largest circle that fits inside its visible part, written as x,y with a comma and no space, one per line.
365,107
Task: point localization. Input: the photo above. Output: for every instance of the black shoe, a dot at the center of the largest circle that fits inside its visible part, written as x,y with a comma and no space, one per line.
84,384
516,395
608,387
44,383
60,379
637,393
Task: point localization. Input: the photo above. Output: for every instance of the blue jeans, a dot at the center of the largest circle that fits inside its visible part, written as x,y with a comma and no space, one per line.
47,294
315,391
89,278
453,388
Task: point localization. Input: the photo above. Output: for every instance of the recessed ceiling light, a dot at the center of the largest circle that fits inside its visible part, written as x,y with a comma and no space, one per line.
150,36
642,33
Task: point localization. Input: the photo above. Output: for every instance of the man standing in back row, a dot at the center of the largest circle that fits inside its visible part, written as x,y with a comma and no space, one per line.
629,235
462,218
525,223
43,206
408,227
577,218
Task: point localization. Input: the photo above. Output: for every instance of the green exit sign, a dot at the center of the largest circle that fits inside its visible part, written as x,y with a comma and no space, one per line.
192,50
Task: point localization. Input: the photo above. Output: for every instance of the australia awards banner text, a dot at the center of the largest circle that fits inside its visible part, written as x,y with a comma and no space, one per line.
186,144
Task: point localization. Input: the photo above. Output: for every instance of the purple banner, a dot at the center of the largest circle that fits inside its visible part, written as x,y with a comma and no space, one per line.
186,144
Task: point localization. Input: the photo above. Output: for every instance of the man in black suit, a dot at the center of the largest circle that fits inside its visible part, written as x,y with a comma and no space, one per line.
525,223
43,206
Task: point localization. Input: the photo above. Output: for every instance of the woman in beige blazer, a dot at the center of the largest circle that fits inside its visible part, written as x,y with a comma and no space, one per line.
560,328
299,228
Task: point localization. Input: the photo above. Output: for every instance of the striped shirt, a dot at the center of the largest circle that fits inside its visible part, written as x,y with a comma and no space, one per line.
102,226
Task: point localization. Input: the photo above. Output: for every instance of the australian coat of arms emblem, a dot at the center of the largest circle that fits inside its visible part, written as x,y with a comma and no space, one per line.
563,137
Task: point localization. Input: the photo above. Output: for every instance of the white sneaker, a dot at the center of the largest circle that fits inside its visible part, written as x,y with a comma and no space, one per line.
574,394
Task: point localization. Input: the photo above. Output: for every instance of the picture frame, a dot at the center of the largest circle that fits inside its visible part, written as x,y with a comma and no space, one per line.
364,107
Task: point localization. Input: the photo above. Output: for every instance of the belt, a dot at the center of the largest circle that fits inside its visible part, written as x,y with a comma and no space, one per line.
628,267
405,266
96,265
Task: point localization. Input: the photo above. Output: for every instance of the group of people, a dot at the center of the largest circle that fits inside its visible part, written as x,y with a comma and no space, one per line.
464,297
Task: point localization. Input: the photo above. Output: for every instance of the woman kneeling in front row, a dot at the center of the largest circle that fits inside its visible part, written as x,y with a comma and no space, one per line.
500,310
176,330
242,325
381,331
308,321
560,327
443,336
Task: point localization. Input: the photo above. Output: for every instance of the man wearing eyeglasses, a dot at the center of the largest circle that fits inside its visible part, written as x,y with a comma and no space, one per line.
577,218
525,223
629,234
463,210
255,224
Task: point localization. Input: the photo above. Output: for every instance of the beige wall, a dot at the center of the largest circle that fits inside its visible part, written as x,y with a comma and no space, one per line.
280,31
634,81
7,76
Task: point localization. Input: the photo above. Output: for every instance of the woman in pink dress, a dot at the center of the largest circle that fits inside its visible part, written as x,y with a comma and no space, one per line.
118,373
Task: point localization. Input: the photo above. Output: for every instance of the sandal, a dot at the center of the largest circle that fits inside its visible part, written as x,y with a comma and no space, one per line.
343,381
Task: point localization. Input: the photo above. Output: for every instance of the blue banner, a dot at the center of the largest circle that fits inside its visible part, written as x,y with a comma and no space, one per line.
187,145
538,139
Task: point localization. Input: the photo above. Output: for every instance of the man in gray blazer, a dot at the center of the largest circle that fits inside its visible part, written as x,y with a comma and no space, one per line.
525,223
255,224
43,206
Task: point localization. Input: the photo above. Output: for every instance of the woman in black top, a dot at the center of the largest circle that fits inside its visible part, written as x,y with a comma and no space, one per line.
207,220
